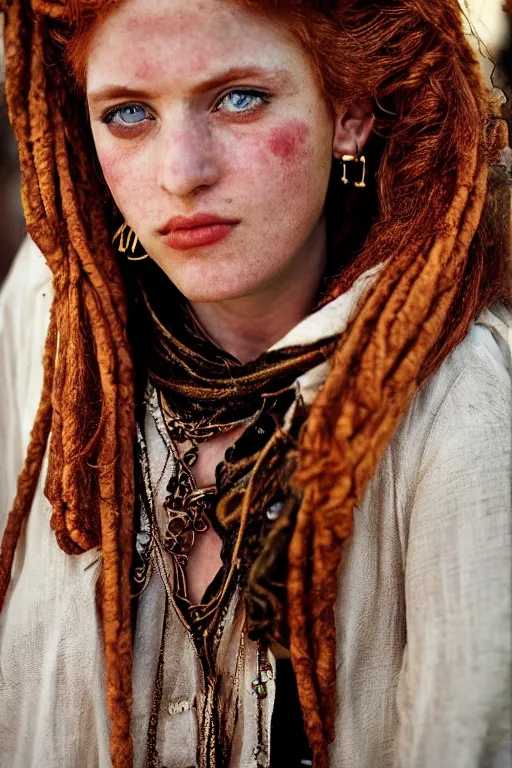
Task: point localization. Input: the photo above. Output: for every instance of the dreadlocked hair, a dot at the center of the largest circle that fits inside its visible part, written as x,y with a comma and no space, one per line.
439,135
87,398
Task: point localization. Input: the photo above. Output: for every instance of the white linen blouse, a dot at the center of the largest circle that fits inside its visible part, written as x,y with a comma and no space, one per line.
424,609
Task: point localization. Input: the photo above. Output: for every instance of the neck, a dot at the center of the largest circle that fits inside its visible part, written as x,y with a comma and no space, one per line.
247,326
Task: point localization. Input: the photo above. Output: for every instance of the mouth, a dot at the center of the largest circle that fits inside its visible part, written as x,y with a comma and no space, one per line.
183,232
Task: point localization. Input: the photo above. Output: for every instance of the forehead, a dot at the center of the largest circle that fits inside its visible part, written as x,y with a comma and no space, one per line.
184,41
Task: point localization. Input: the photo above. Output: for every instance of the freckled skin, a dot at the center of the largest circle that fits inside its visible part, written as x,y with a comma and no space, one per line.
269,171
288,140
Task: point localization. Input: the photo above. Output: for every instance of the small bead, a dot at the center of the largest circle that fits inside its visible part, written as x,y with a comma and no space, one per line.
259,688
275,510
177,707
141,542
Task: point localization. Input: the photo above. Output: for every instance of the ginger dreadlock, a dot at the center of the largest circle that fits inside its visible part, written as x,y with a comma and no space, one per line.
88,370
412,59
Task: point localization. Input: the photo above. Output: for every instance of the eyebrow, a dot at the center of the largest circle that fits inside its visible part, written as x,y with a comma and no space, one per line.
111,92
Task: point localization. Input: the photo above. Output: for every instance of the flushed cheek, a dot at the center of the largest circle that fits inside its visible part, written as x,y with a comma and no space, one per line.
290,170
283,147
276,175
126,177
288,163
285,155
114,170
289,141
280,163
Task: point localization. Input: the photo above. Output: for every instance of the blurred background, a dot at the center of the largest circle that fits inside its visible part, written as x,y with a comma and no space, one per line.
492,39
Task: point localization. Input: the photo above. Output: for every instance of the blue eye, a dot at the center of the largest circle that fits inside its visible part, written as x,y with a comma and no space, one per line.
243,101
131,114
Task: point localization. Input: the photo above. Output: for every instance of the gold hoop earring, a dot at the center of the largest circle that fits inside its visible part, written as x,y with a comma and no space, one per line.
357,158
128,241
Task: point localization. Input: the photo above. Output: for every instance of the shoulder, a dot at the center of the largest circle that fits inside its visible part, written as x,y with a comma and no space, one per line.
25,302
454,684
452,451
28,279
470,396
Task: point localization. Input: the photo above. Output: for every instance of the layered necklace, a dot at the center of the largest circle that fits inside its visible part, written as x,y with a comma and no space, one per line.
199,392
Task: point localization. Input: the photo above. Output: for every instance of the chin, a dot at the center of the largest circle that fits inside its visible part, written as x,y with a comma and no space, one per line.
208,293
211,283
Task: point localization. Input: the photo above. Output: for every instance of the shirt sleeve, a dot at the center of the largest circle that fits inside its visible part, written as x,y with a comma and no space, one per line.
25,301
52,674
454,695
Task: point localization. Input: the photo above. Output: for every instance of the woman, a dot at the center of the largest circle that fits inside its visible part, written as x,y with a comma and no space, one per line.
315,376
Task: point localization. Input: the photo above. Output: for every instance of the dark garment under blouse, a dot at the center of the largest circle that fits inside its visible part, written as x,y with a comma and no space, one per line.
288,743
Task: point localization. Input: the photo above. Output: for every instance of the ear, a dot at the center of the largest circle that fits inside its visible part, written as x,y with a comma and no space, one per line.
352,127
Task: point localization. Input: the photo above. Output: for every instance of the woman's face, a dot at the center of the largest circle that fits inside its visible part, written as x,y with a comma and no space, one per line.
207,108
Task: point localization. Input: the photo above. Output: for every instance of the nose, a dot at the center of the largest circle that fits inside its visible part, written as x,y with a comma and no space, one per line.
186,157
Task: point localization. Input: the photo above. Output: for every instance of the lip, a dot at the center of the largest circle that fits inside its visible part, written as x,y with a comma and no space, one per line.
197,220
184,232
193,237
